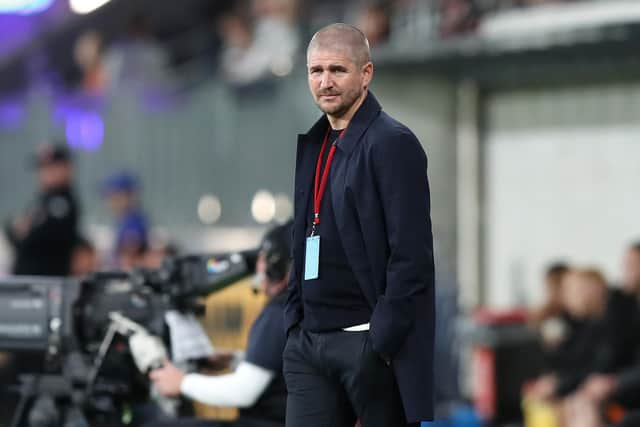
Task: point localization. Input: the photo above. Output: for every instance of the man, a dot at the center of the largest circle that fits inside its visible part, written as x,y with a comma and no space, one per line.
256,386
43,237
132,230
360,314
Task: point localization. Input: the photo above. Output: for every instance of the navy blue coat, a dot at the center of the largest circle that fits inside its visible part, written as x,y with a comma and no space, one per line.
380,196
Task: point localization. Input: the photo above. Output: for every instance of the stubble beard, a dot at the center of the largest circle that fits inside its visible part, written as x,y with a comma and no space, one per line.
341,109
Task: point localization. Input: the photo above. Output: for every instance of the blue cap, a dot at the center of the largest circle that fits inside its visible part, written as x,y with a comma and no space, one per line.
120,182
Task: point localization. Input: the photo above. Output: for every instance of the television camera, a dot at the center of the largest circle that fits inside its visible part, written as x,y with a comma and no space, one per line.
96,338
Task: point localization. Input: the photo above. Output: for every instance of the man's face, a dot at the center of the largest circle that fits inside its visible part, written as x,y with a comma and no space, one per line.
54,175
553,282
582,296
83,262
119,202
335,80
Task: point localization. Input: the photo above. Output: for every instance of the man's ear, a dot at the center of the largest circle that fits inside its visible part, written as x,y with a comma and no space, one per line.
367,73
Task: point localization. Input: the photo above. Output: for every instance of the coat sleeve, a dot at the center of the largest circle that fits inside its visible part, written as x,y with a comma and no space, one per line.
10,234
59,224
629,381
293,308
400,170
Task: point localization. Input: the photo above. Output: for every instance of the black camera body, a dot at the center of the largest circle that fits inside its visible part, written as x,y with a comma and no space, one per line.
36,314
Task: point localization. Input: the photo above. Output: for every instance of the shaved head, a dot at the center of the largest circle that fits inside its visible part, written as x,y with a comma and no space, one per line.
342,38
339,71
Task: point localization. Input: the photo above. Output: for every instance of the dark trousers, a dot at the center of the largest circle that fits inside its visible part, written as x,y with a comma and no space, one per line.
334,378
631,420
190,422
196,422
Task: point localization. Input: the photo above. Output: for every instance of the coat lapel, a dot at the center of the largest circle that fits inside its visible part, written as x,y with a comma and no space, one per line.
307,154
368,111
346,219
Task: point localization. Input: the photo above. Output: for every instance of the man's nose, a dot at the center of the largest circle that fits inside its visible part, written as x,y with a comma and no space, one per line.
326,81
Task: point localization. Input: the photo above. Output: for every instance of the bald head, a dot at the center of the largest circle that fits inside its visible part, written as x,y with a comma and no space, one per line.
342,38
339,71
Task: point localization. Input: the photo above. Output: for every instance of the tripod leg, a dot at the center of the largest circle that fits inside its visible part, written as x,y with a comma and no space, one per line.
44,412
26,391
75,418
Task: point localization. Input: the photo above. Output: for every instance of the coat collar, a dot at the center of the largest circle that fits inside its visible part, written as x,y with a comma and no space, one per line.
361,120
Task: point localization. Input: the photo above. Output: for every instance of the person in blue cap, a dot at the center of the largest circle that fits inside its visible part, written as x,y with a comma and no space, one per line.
121,191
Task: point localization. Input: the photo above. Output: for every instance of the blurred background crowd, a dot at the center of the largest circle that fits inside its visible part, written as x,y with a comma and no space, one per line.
145,44
140,129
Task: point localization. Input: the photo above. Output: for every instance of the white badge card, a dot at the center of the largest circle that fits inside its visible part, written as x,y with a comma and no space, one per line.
312,258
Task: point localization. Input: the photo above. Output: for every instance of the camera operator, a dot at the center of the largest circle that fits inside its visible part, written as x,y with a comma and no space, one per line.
257,386
43,237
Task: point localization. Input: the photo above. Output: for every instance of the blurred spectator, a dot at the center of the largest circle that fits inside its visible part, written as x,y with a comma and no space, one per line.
623,303
375,22
631,270
87,54
552,307
84,259
267,49
458,17
138,60
623,386
235,28
236,34
584,294
595,342
551,319
121,191
43,236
